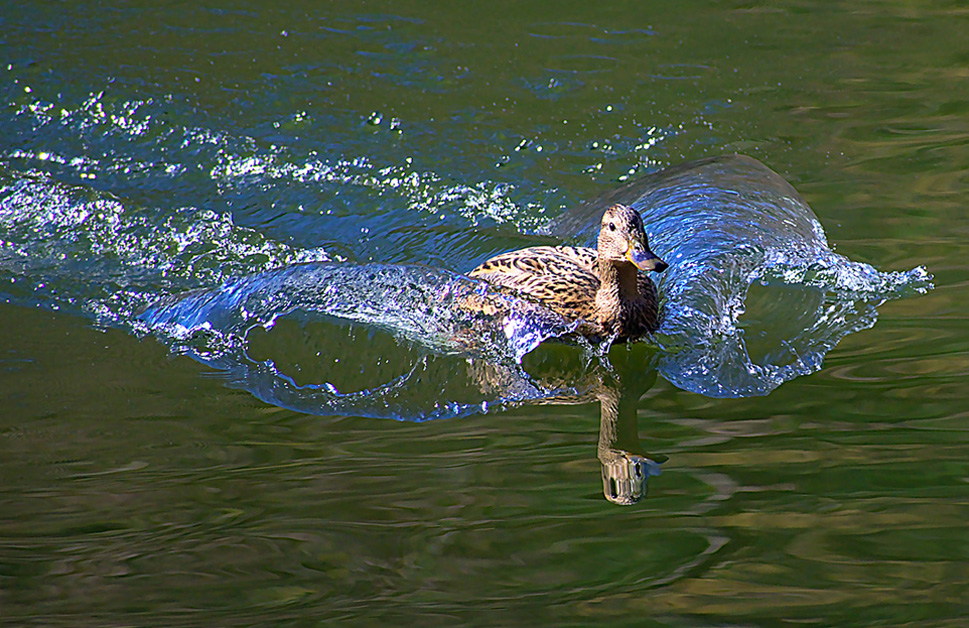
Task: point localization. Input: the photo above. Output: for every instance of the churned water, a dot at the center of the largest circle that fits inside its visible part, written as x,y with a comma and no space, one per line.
725,224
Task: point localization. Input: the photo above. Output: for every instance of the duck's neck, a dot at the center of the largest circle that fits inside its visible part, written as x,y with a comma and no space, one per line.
618,286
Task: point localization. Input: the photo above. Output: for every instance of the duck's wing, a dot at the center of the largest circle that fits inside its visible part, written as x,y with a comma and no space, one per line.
583,256
540,260
560,277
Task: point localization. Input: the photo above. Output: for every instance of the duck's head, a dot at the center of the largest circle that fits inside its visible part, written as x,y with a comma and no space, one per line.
622,239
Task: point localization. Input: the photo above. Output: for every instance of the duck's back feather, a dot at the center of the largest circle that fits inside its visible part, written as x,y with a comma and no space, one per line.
563,278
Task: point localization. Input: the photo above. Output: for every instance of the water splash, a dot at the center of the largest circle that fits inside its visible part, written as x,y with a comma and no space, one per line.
439,311
727,224
134,259
754,296
442,311
70,248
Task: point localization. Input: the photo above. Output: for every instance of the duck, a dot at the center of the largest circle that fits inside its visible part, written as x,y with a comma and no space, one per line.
600,289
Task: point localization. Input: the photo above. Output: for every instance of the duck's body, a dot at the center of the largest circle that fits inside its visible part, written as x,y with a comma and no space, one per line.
600,288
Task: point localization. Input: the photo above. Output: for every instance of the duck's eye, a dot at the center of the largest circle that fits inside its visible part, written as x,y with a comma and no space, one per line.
612,226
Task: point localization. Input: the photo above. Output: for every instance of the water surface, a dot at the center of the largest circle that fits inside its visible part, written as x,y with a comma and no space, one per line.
148,478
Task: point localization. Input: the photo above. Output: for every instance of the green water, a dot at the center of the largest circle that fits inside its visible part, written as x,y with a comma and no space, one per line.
138,489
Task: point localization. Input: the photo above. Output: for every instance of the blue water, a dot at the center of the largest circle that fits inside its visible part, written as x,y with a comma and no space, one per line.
724,225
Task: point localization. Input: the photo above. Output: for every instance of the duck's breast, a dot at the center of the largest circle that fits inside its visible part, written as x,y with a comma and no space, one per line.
643,317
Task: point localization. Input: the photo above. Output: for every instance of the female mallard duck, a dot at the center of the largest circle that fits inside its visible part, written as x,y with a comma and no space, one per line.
600,288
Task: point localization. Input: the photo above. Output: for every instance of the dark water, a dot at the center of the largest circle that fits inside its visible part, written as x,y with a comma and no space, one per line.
220,458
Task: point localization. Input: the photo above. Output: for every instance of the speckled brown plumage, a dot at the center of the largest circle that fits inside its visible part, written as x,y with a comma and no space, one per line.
601,288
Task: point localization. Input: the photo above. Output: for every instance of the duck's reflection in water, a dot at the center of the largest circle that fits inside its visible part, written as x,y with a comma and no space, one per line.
284,366
618,385
626,466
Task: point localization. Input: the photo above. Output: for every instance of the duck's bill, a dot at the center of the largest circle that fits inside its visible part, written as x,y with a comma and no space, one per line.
644,259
